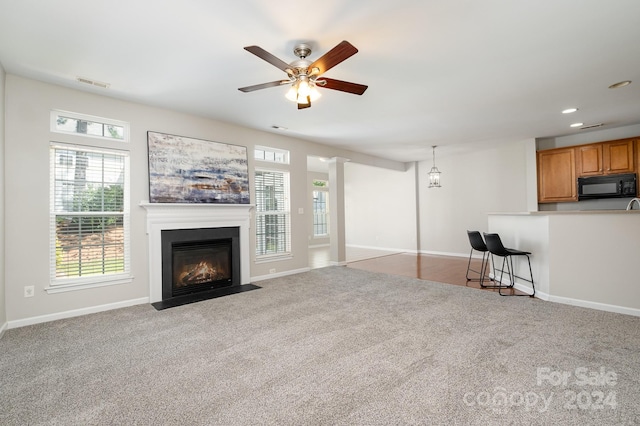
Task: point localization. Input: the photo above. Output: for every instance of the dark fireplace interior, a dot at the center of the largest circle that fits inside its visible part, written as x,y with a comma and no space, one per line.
199,260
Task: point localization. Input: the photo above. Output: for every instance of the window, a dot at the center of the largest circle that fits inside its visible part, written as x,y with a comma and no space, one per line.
86,125
320,214
273,236
89,216
271,154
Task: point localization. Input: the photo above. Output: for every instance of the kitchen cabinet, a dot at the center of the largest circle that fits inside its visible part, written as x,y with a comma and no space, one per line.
559,168
557,175
605,158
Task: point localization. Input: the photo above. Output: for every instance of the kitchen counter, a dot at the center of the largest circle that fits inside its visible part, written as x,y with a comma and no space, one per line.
568,212
584,258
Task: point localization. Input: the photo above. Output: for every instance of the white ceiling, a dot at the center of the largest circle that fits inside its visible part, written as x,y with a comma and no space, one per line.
448,73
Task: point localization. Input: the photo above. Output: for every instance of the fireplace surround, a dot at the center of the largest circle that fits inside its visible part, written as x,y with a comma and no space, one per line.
165,216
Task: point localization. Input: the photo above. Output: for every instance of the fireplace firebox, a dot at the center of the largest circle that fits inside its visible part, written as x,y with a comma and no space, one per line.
196,261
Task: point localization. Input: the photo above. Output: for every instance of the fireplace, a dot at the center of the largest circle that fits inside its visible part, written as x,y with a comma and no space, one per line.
199,260
162,217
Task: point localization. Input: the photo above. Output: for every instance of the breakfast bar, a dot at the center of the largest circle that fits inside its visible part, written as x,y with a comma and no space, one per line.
582,258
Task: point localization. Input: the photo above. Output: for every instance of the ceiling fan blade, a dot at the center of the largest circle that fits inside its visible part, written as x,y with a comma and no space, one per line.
343,86
307,105
263,54
263,85
333,57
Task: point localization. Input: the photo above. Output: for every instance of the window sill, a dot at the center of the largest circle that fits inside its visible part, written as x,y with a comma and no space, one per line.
273,258
85,284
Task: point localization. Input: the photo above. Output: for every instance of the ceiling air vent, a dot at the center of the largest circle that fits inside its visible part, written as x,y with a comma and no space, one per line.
591,126
93,82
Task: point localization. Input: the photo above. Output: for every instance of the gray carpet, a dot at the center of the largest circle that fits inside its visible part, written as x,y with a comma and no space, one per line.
334,346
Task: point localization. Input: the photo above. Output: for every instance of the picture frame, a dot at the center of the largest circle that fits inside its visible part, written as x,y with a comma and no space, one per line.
196,171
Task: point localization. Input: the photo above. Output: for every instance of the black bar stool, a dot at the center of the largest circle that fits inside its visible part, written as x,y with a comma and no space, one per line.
495,246
477,244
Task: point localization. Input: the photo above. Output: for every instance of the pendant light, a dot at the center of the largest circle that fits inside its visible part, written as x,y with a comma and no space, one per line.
434,173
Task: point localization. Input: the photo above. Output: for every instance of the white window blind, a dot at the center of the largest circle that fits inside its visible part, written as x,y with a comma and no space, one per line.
273,233
89,214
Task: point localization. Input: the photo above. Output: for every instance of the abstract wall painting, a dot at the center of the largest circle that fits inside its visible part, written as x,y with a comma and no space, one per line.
188,170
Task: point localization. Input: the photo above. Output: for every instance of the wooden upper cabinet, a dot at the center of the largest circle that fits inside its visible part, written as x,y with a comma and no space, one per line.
589,160
618,156
605,158
557,175
559,168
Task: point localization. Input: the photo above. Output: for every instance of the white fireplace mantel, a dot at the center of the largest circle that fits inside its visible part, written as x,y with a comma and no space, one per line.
163,216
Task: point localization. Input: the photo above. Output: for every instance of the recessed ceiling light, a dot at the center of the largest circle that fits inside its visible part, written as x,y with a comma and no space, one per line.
577,124
620,84
569,110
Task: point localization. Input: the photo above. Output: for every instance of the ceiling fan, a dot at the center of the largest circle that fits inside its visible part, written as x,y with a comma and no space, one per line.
305,76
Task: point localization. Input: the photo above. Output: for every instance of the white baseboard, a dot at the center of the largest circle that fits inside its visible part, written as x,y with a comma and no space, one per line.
279,274
3,328
444,253
76,312
332,263
595,305
396,250
578,302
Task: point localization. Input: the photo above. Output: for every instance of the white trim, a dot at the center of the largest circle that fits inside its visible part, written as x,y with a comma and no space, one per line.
444,253
595,305
397,250
88,283
279,274
269,258
334,263
577,302
4,327
76,312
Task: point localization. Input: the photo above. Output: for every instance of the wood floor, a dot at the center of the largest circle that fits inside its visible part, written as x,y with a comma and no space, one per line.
443,269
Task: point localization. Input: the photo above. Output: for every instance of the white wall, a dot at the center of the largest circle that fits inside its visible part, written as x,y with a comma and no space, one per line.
474,183
27,137
3,310
380,209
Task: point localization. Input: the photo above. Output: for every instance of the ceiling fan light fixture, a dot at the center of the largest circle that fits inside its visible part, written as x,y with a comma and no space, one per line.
303,91
304,88
292,93
303,74
314,94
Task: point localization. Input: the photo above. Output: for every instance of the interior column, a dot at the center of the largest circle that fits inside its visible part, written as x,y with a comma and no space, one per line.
337,251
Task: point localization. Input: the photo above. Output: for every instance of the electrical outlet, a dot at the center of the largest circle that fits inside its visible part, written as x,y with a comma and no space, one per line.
29,291
272,271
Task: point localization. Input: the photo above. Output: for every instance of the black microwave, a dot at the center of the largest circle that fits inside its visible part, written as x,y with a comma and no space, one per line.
609,186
